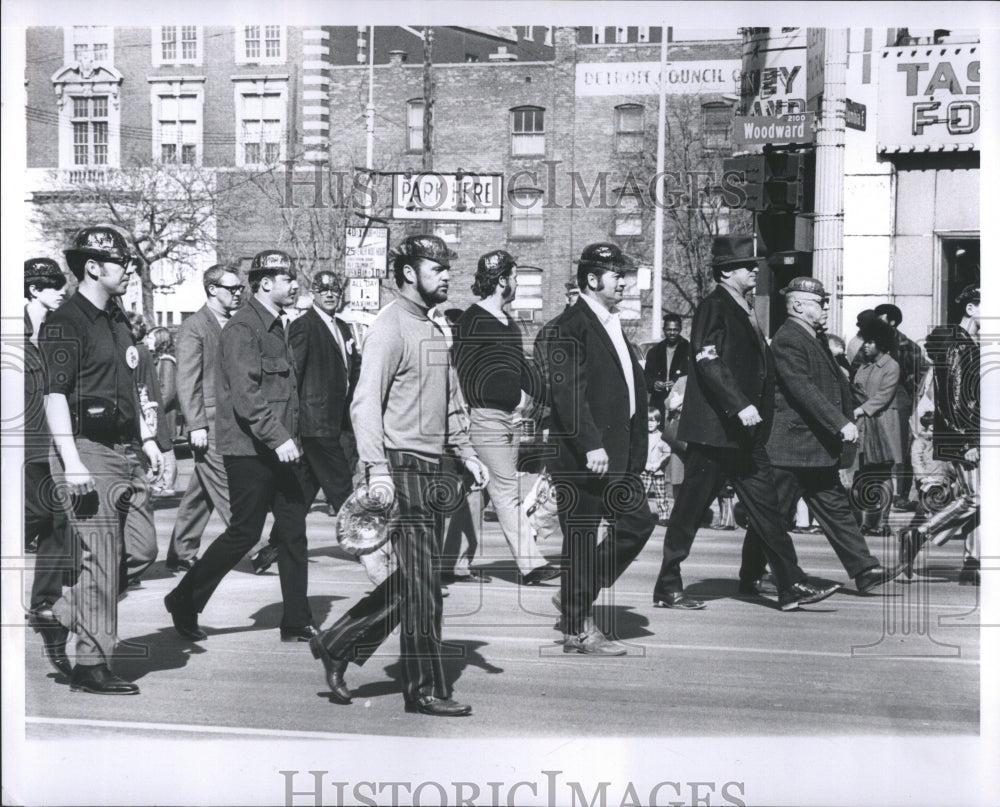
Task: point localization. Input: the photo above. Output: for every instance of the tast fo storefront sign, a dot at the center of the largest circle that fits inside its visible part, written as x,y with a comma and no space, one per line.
928,99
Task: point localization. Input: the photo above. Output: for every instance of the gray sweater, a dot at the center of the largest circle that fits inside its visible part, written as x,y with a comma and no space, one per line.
406,398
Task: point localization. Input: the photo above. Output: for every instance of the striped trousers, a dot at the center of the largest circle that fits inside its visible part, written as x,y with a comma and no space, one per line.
411,596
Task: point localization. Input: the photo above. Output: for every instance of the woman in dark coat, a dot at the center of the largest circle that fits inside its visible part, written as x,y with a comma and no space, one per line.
879,443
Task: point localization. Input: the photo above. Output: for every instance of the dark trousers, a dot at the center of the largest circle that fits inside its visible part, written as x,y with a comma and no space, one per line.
871,494
411,596
621,500
904,470
706,470
58,559
829,505
330,470
258,486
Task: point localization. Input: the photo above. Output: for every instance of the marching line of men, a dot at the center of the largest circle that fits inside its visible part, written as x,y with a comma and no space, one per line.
271,408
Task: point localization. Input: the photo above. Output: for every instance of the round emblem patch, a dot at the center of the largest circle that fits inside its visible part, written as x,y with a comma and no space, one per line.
132,357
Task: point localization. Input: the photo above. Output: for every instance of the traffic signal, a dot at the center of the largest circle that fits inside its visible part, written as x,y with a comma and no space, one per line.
776,181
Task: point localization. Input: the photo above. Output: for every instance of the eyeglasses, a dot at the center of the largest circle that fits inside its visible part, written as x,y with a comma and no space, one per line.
230,289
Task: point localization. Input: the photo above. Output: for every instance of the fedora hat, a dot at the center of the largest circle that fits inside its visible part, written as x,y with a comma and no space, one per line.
732,251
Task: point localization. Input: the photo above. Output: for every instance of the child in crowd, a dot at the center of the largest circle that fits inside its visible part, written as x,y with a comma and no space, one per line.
653,478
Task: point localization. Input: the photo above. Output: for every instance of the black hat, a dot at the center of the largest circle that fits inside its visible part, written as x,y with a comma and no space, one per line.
495,264
42,269
424,246
879,332
970,294
606,256
891,311
864,316
326,279
100,243
733,251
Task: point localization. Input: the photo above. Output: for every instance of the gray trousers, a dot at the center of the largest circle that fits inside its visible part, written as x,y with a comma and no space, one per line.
207,490
90,607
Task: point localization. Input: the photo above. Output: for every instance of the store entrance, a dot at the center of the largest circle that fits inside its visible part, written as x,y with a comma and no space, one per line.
959,268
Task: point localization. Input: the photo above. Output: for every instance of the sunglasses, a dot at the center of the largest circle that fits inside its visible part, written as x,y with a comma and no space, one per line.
230,289
328,290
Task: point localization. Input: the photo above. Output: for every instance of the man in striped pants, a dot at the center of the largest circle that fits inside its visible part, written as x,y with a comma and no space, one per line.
405,414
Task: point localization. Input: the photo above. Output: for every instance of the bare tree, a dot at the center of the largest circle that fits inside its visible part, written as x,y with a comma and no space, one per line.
694,209
170,212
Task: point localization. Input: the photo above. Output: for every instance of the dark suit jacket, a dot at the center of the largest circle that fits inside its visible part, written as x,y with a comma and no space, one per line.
731,367
589,396
812,402
255,389
657,370
326,384
197,360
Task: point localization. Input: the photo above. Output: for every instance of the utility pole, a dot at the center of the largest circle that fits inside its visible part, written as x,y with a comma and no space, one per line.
370,124
428,129
828,221
661,129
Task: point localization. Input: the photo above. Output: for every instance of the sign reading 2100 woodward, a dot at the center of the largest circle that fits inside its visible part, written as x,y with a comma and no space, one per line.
447,197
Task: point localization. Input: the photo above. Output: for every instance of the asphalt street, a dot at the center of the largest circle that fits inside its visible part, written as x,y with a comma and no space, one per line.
848,665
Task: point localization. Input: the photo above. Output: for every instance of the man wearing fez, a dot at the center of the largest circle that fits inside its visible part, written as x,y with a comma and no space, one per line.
813,433
104,449
599,430
726,420
326,366
406,413
257,432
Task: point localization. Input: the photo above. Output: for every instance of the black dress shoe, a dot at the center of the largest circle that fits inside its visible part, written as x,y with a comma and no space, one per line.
438,707
185,619
910,543
99,680
180,565
540,575
969,576
876,576
303,634
335,669
804,594
54,636
751,588
264,559
680,600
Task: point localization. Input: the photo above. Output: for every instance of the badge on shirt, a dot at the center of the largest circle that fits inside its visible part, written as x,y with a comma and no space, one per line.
132,357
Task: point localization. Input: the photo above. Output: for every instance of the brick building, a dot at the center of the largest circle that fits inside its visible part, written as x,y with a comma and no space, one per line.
567,116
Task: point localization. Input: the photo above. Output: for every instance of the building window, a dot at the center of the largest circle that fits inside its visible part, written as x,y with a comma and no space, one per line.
529,297
90,42
643,33
527,131
176,44
415,126
629,128
260,44
177,123
260,120
628,216
90,130
597,35
717,124
526,213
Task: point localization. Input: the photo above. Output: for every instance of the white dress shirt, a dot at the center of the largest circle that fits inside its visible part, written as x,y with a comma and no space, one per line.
612,324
